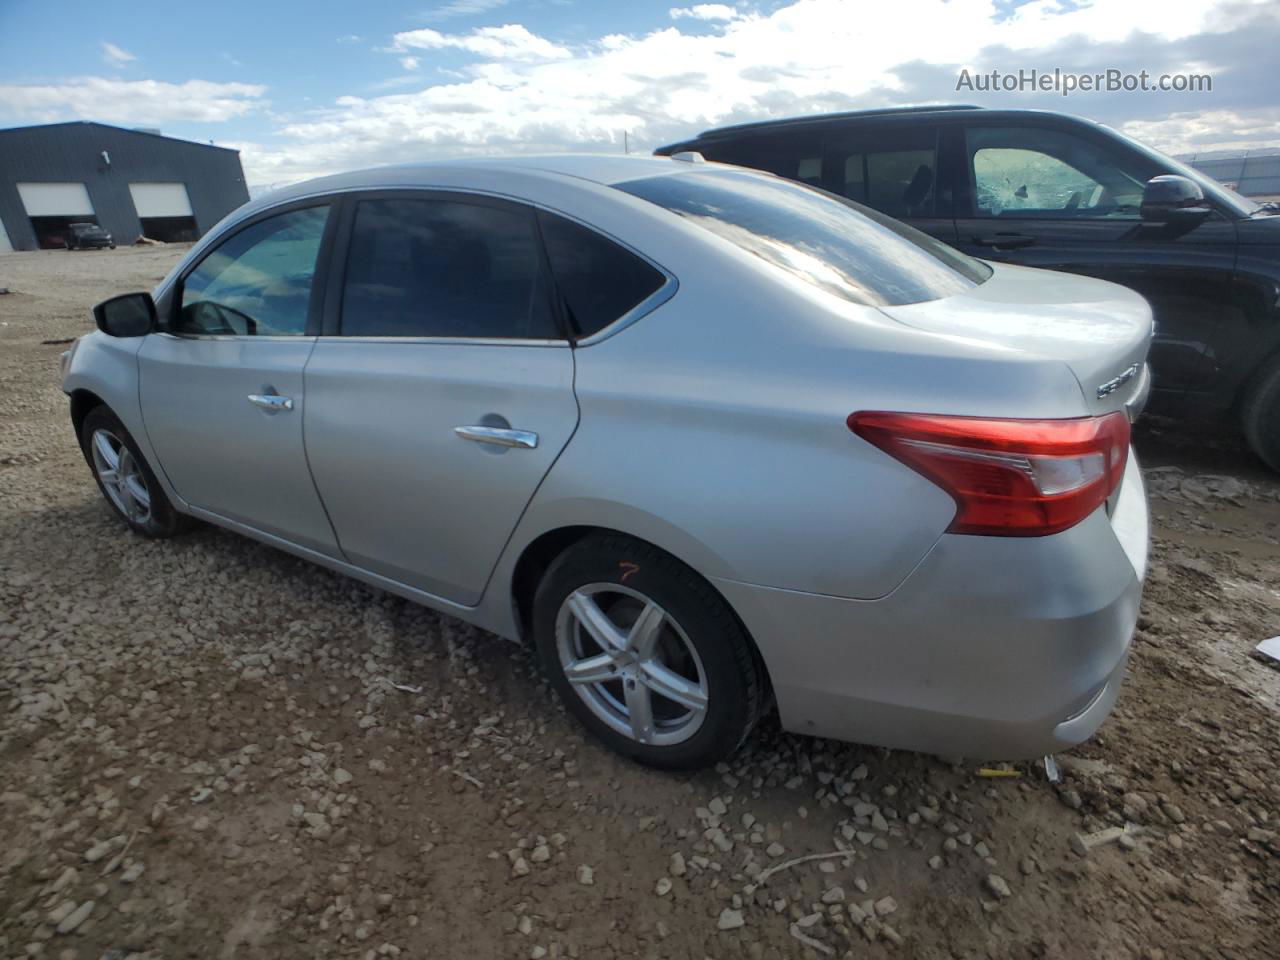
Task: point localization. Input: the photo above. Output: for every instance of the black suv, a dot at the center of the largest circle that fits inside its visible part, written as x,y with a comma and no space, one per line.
1049,190
88,236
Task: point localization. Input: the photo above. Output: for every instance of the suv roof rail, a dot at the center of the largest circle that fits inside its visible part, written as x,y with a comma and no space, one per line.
818,118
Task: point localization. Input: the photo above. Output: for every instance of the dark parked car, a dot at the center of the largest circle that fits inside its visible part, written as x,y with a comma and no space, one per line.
88,236
1049,190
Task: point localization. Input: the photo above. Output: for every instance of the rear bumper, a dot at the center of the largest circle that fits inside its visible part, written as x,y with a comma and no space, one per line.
993,647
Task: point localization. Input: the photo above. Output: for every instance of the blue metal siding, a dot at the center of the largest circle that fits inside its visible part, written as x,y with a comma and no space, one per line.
72,152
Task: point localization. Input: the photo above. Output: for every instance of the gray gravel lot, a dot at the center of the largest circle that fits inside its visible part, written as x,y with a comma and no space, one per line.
204,755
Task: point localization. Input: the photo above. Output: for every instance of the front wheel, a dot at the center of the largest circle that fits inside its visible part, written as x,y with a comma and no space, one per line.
1260,415
124,477
646,654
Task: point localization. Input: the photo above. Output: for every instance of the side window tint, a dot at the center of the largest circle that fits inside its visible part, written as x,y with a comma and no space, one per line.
892,170
444,268
598,280
796,155
1029,172
257,283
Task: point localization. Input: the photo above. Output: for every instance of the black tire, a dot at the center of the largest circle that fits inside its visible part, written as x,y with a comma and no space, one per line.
161,519
734,676
1260,415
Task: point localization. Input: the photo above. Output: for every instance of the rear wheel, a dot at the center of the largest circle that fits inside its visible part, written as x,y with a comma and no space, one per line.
1260,415
646,654
124,477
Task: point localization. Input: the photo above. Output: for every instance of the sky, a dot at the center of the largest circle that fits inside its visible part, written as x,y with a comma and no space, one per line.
308,88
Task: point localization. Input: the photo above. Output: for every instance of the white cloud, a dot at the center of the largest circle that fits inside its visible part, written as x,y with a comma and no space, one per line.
704,11
410,63
116,56
1196,132
509,42
462,8
529,94
129,102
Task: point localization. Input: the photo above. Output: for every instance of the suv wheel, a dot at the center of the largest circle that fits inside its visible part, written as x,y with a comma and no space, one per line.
1260,415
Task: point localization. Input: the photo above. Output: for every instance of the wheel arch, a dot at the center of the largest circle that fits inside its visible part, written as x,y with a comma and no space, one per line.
82,402
543,550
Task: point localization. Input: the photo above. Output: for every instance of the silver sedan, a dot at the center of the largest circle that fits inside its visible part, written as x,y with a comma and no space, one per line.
714,442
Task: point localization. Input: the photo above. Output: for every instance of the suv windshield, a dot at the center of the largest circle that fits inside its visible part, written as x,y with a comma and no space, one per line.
837,245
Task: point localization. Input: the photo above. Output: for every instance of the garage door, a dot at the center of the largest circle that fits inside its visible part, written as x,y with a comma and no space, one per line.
55,199
164,210
160,200
53,207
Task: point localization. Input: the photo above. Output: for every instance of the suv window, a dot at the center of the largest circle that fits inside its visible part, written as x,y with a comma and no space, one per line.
257,282
838,246
794,154
893,170
435,267
597,279
1043,173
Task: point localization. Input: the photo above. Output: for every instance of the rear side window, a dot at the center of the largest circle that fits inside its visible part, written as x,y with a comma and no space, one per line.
893,170
598,280
434,267
838,246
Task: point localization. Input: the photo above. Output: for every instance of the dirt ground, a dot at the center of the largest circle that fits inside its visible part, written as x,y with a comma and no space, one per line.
203,755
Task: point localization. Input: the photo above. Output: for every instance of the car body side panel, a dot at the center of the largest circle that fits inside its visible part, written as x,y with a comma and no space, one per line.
705,418
107,367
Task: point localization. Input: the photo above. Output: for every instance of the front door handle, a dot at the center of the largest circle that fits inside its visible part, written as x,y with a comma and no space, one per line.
1004,241
524,439
271,402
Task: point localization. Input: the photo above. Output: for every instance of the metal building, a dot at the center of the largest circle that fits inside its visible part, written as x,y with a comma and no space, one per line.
1254,173
130,182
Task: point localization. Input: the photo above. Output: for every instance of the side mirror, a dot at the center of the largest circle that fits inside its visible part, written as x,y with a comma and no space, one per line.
128,315
1169,198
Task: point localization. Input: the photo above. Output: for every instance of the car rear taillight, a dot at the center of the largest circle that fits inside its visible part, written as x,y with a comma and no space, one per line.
1009,478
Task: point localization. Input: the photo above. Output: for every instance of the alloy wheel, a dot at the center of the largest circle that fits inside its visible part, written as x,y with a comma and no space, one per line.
632,664
121,476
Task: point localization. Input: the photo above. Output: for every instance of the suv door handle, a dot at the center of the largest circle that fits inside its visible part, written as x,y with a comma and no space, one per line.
271,402
525,439
1004,241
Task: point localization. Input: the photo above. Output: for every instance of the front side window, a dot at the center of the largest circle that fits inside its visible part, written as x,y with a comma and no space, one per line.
597,280
1046,174
258,282
836,245
433,267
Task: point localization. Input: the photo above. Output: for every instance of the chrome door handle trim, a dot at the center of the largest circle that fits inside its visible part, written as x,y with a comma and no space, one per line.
271,402
524,439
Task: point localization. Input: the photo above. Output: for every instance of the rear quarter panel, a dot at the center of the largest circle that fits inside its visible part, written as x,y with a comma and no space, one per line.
715,427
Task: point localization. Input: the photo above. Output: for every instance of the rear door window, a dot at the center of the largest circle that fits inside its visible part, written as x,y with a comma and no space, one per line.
445,267
598,280
894,170
846,249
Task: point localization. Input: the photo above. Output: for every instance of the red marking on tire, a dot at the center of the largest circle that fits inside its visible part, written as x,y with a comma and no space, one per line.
629,567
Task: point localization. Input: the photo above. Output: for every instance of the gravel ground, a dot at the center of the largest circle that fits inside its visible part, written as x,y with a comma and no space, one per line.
204,756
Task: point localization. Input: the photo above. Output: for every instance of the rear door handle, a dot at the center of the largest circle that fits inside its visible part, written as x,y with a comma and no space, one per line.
525,439
1004,241
271,402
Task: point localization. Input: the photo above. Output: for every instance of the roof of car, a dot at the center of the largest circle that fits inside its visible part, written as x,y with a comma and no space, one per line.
783,124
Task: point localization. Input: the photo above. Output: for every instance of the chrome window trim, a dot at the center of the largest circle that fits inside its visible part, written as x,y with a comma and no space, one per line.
246,338
640,310
449,341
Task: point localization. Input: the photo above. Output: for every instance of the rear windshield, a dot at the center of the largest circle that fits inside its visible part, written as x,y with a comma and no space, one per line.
835,244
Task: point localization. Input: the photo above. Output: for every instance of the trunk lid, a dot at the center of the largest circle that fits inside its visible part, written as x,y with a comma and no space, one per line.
1102,331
